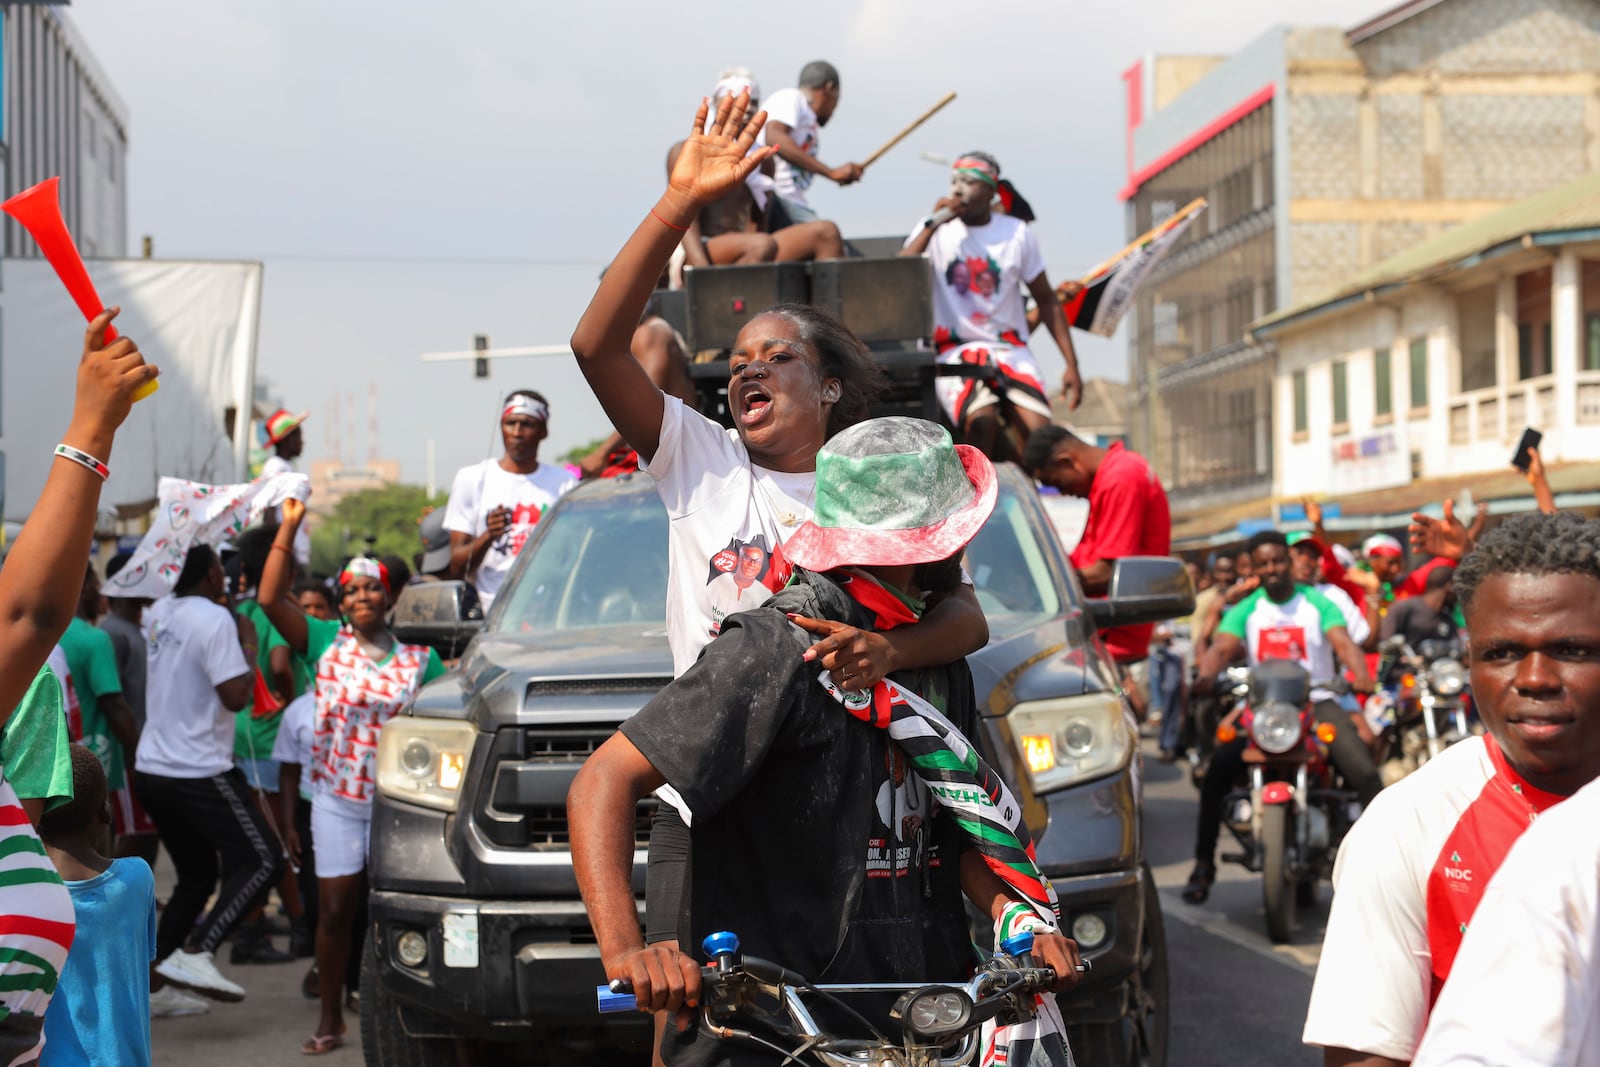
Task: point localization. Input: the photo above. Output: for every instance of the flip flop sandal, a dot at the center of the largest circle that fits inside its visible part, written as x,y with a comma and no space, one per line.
320,1044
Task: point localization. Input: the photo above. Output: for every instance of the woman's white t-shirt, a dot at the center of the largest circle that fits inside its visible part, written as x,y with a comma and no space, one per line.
727,517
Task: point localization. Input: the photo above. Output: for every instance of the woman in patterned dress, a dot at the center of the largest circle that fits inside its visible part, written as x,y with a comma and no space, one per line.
363,677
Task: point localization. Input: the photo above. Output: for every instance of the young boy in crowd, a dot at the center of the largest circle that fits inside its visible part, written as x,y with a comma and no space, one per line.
101,1010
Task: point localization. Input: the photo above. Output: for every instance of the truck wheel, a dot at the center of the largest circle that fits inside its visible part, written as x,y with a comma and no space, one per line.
1140,1039
1277,882
383,1040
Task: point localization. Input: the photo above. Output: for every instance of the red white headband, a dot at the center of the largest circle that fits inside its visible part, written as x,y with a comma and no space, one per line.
525,405
364,567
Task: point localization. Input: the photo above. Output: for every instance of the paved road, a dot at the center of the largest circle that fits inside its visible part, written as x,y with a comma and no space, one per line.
1238,1000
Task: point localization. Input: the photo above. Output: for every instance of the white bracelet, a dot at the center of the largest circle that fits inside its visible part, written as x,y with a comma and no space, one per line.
83,459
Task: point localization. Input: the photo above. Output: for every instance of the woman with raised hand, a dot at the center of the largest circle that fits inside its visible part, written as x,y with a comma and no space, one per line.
39,588
796,377
364,675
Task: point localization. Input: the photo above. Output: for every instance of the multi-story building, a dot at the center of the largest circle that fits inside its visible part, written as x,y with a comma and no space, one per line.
62,116
1322,152
333,480
1415,380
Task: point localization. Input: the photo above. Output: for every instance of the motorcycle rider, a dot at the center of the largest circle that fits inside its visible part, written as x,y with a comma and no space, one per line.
1410,875
1281,619
1306,562
1430,616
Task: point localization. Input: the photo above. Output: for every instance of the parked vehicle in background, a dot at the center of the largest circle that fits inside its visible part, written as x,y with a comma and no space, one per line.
478,934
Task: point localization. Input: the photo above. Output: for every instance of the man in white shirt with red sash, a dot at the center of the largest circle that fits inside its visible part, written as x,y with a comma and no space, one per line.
1412,871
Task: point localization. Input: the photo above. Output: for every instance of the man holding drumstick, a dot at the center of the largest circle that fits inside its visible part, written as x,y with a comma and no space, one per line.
795,118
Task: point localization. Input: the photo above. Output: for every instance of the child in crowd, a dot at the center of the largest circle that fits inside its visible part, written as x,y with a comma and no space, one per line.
101,1011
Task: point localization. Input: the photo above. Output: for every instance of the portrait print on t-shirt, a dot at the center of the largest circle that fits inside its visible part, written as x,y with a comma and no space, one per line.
906,812
745,566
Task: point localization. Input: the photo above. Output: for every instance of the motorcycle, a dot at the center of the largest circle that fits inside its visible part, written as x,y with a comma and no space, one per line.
940,1022
1425,711
1291,810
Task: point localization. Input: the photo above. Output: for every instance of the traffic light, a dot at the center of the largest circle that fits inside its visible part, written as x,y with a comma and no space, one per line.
480,366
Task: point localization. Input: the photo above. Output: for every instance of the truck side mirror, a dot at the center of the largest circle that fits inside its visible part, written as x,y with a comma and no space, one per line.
1143,589
445,616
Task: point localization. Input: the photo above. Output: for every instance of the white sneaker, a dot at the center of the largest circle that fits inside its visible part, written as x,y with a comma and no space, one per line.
169,1002
197,971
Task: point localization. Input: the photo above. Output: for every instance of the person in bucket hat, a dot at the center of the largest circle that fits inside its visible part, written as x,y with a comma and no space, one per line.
287,441
773,760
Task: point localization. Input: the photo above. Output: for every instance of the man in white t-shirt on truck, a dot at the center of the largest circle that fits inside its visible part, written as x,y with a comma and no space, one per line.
795,118
494,505
1411,872
1282,619
982,262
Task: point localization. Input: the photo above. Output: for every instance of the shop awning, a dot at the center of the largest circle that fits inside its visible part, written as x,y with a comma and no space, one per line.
1575,485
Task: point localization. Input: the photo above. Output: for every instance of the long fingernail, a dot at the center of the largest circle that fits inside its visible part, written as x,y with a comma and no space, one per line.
808,655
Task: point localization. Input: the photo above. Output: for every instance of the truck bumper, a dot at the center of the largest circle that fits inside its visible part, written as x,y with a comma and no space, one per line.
1114,898
508,969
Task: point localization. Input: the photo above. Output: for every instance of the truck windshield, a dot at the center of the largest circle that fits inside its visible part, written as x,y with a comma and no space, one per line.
602,561
1014,584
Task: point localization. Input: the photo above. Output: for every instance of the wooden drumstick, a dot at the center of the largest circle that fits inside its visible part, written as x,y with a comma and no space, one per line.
903,134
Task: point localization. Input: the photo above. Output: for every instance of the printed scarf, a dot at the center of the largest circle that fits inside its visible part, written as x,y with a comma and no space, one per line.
983,807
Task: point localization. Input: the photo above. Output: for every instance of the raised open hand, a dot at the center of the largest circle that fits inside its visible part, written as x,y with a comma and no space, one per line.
715,158
1445,537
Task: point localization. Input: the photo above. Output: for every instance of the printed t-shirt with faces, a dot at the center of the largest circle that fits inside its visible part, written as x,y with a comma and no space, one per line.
485,486
979,273
790,107
1294,630
727,526
355,697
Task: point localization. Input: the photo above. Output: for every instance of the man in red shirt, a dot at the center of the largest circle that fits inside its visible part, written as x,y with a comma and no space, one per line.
1128,515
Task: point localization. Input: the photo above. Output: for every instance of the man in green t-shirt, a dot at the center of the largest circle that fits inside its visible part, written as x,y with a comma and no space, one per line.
109,729
1280,620
34,749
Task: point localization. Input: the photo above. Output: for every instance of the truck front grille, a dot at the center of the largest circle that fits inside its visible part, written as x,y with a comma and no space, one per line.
547,825
524,800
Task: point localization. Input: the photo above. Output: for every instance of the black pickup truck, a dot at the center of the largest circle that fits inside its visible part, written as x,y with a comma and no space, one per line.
478,936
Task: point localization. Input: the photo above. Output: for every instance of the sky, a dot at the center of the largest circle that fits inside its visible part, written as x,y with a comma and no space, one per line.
415,173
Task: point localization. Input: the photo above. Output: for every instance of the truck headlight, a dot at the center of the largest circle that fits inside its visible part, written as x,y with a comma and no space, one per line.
1071,739
422,761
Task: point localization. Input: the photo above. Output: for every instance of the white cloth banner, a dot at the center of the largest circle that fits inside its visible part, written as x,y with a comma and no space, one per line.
196,321
189,513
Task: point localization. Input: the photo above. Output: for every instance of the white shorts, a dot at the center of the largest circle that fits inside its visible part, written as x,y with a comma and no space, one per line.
1017,380
339,836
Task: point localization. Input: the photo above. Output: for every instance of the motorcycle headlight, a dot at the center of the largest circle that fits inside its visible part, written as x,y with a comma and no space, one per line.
935,1010
1071,739
422,761
1447,677
1275,727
